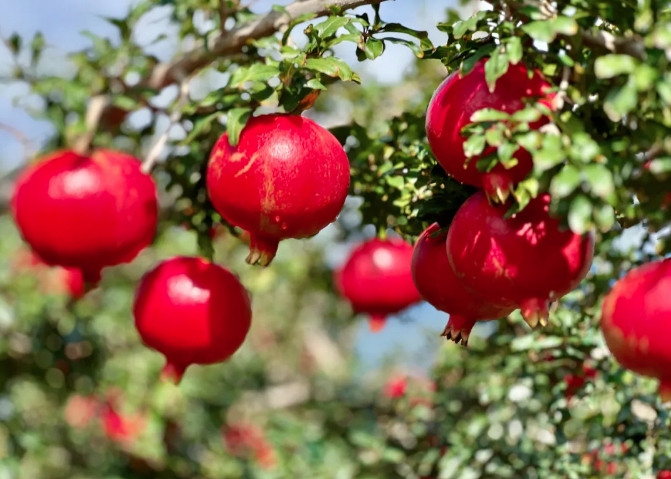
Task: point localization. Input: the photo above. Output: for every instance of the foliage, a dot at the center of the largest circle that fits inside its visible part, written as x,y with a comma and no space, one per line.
501,408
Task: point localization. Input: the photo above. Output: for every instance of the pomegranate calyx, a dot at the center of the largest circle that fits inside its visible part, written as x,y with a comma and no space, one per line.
376,322
261,251
458,329
173,373
498,186
665,390
535,311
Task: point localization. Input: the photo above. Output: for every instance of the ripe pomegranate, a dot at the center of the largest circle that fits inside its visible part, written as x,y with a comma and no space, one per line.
664,475
118,427
193,312
86,212
395,387
451,108
635,319
526,259
440,287
376,279
287,178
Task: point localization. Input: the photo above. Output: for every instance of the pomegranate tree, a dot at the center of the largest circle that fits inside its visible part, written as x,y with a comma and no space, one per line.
193,312
635,320
527,259
86,212
440,287
376,279
286,178
451,108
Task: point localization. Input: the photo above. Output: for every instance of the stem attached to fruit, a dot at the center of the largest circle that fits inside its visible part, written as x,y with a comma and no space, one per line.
458,329
261,250
535,311
376,322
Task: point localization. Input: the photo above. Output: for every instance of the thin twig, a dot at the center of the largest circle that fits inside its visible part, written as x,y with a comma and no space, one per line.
94,113
175,116
563,87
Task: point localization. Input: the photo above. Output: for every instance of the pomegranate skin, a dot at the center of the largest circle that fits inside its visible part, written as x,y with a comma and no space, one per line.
636,321
193,312
526,259
86,212
450,110
440,287
287,178
376,279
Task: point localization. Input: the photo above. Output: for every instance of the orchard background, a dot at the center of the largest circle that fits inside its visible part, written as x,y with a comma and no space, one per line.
312,393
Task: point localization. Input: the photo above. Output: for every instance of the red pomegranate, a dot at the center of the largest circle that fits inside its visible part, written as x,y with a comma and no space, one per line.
451,108
664,475
86,212
376,279
440,287
526,259
287,178
635,319
193,312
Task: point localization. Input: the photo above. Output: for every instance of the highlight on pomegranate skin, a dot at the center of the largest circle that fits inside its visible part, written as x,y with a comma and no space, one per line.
527,259
86,212
193,312
376,279
636,322
451,108
288,177
439,286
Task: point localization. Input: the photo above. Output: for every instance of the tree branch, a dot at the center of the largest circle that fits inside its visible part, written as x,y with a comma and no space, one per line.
165,74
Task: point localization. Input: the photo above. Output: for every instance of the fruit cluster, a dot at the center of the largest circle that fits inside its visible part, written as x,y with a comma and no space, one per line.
286,178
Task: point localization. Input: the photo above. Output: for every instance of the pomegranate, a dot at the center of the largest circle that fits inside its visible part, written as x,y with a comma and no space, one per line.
576,381
395,387
664,475
376,279
287,178
526,259
86,212
193,312
635,319
440,287
451,108
118,427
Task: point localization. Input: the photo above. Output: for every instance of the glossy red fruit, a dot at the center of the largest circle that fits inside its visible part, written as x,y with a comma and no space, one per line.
451,108
439,286
635,320
376,279
86,212
664,475
193,312
526,259
287,178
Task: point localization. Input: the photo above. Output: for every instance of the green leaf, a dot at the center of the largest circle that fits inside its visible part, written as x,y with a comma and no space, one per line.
15,43
331,66
620,101
315,84
609,66
395,181
255,72
36,48
200,125
600,180
580,214
565,25
236,120
373,48
514,50
330,26
541,30
468,64
489,114
565,182
495,68
474,145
